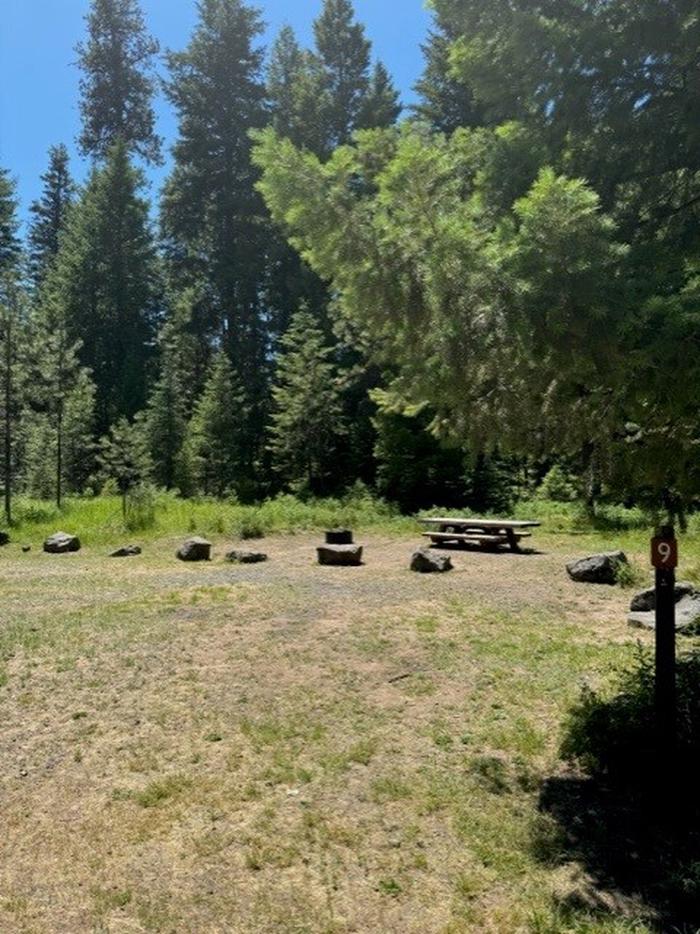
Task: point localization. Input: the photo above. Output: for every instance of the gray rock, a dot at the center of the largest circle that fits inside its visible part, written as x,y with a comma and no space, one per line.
597,569
687,616
61,543
195,549
246,557
340,555
645,602
428,562
339,537
129,551
4,539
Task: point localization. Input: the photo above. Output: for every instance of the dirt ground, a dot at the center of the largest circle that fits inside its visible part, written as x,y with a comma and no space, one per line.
284,747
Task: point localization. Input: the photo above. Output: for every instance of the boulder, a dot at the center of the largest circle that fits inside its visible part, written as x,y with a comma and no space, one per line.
597,569
645,602
340,555
4,539
129,551
339,537
428,562
687,616
246,557
61,543
195,549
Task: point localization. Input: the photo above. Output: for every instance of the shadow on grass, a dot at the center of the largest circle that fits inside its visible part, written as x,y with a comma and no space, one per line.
630,815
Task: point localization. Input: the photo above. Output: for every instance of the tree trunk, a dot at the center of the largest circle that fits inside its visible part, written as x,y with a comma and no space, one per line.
8,420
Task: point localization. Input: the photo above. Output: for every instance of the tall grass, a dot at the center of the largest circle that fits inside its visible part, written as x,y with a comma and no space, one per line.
103,519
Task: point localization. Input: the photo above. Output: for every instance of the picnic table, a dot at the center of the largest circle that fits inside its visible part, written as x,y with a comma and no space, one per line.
491,533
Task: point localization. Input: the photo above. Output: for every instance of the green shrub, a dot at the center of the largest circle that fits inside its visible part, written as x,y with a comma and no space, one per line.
559,486
140,508
612,733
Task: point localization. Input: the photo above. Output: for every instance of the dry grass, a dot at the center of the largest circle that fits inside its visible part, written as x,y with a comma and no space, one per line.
290,748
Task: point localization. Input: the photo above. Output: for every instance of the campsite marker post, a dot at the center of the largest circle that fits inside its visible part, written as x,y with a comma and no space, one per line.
664,557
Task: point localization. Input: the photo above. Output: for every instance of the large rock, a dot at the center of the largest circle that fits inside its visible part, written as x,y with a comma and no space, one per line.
61,543
687,616
597,569
246,557
339,537
645,602
129,551
195,549
340,555
4,539
428,562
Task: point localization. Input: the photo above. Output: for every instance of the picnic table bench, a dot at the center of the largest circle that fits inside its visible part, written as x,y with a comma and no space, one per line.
483,532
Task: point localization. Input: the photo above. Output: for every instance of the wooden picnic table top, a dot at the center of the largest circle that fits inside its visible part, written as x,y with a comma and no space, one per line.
461,522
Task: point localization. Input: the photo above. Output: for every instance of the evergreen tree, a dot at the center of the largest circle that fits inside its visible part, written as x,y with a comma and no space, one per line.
445,103
217,432
12,324
50,213
285,74
117,84
62,397
124,458
212,216
104,285
12,382
10,247
307,421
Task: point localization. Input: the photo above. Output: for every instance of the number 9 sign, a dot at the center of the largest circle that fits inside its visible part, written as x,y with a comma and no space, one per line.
664,553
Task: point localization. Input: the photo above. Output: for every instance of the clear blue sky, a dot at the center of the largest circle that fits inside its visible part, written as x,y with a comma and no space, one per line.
39,82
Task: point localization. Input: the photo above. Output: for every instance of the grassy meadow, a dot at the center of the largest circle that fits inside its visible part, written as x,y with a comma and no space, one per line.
290,748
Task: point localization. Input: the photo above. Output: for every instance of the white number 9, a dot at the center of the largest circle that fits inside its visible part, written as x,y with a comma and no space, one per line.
665,551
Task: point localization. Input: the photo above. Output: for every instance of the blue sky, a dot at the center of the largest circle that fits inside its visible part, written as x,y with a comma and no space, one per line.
39,83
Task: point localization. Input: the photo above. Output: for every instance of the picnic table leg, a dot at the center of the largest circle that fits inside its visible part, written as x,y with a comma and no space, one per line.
513,541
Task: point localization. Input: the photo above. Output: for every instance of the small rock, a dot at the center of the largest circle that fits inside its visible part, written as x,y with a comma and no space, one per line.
645,602
597,569
129,551
340,555
26,549
246,557
339,537
195,549
4,539
687,616
61,543
428,562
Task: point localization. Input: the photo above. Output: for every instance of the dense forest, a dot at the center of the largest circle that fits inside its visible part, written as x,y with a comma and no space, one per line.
449,303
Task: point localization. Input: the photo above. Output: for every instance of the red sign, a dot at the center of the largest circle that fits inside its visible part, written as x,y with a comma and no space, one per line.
664,553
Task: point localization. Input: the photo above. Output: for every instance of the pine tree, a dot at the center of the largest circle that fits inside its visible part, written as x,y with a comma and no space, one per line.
285,72
12,381
105,284
213,219
12,323
381,107
50,213
124,458
445,103
10,247
217,431
307,421
62,396
117,84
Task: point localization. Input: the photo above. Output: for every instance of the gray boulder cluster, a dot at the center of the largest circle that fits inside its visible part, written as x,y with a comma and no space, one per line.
643,609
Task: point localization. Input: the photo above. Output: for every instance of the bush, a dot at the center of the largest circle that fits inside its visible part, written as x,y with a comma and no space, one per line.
140,508
612,734
559,486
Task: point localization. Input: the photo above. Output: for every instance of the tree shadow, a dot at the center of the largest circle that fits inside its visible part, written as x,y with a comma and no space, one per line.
630,813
